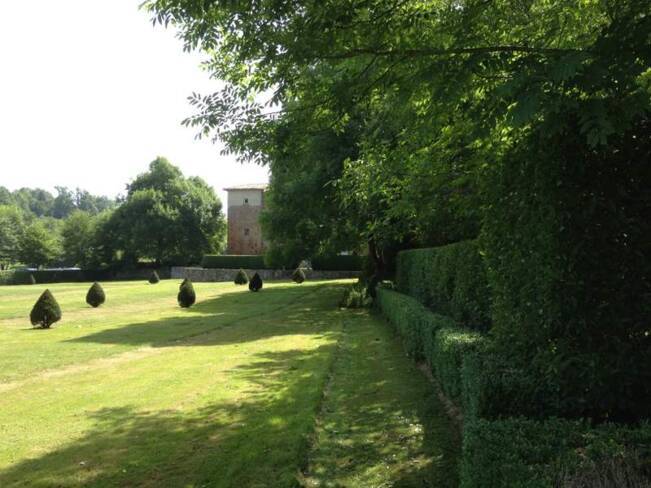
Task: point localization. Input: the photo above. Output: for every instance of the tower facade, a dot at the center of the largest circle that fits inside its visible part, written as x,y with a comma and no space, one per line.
245,203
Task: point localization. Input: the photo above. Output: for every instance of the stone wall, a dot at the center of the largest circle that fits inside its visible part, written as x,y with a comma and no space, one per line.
220,274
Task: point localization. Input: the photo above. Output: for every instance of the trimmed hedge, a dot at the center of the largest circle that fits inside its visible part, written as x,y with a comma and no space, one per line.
519,453
450,280
434,338
347,262
231,261
46,276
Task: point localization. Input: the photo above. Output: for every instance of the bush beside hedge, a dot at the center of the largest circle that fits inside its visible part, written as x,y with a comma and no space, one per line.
228,261
450,280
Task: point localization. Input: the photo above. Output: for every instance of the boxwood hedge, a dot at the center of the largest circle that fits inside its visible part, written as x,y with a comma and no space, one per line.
450,280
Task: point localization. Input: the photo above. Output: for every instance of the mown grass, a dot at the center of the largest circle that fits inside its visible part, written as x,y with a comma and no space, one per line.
143,393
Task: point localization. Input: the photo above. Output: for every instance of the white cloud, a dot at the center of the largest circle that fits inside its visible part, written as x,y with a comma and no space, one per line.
90,93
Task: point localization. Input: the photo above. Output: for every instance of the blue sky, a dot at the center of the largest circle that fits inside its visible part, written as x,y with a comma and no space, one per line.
91,92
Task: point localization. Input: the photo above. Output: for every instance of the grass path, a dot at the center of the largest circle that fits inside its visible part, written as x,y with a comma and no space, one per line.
229,393
381,423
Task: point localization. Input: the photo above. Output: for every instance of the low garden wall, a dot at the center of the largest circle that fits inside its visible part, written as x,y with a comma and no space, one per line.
222,274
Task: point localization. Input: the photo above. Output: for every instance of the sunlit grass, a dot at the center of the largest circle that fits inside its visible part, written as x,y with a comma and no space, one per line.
227,393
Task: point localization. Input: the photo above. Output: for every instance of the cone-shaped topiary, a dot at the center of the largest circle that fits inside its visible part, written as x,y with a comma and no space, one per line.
46,311
256,283
95,296
298,276
154,278
31,280
186,296
241,278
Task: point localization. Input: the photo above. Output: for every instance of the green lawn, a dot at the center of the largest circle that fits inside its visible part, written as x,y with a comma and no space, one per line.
275,388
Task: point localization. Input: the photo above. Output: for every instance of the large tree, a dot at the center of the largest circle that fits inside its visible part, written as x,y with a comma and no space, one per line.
168,218
38,245
12,226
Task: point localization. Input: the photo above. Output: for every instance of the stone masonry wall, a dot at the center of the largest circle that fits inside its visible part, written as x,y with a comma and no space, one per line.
217,274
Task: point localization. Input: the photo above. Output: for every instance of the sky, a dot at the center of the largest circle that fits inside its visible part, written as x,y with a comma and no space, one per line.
91,93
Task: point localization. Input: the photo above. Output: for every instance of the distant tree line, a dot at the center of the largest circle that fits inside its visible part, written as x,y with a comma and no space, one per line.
164,218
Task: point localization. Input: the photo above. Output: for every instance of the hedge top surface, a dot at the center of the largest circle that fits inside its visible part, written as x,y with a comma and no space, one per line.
46,311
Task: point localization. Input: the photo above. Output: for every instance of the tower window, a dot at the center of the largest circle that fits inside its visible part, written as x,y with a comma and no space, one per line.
246,200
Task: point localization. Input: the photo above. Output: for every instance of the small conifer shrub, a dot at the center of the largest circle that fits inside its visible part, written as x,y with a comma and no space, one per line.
46,311
31,280
256,283
241,278
154,278
95,296
186,296
298,276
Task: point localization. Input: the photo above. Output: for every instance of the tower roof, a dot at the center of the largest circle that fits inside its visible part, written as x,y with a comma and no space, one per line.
254,186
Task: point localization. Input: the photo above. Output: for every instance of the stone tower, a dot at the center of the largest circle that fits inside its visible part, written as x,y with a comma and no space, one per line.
245,204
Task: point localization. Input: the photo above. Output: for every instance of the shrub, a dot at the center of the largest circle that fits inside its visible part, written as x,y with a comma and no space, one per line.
347,262
256,283
186,296
95,296
517,452
241,278
46,311
227,261
355,296
450,280
298,276
154,278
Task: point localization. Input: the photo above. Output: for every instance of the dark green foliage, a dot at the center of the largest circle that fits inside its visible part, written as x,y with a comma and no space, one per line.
337,263
241,278
450,280
186,296
154,278
432,337
95,296
228,261
46,311
31,279
298,276
256,283
567,249
525,453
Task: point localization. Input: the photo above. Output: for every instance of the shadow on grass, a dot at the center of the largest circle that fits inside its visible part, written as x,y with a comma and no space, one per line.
212,321
261,441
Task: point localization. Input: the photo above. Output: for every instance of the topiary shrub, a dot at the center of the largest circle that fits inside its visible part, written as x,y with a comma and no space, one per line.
241,278
31,280
256,283
298,276
186,296
46,311
154,278
95,296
